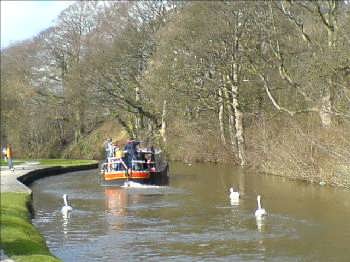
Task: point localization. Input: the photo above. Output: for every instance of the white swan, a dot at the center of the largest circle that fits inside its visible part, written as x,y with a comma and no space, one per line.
66,208
234,196
260,213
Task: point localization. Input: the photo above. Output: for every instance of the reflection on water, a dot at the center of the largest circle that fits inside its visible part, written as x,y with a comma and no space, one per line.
116,203
119,199
192,219
116,200
260,224
65,224
234,202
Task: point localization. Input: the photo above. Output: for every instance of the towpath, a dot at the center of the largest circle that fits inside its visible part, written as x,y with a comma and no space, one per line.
9,182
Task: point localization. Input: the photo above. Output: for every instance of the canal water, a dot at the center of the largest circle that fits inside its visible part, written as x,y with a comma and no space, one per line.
192,219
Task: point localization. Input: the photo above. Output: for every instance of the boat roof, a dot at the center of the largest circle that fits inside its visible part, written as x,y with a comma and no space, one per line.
139,161
148,151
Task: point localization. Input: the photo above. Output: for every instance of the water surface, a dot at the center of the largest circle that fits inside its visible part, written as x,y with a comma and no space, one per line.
192,218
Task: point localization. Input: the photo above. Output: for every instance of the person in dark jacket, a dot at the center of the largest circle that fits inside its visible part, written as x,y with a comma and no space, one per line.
131,149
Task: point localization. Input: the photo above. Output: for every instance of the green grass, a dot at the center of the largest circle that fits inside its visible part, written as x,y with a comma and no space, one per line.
52,162
19,238
15,162
64,162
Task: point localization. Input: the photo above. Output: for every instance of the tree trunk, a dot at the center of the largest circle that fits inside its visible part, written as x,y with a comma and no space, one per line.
138,115
326,107
77,129
163,127
238,116
231,121
329,20
221,116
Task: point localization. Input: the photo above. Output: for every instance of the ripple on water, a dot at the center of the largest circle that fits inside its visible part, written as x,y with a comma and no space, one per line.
191,220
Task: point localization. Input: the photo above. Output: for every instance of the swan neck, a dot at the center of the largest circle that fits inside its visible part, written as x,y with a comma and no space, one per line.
65,200
259,204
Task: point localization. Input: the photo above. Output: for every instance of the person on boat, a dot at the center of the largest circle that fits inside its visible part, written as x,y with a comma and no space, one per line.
109,148
119,155
131,149
153,159
105,146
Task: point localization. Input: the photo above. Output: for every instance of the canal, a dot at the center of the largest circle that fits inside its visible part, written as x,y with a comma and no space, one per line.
192,218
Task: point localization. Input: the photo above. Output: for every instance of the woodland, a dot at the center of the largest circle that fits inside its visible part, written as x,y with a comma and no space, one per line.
259,84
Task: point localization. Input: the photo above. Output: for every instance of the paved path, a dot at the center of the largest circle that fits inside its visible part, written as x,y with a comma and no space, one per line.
9,182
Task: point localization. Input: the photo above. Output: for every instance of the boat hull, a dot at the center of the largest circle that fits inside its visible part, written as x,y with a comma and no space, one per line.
118,178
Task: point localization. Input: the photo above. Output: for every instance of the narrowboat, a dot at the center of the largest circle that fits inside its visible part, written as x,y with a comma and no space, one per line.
145,166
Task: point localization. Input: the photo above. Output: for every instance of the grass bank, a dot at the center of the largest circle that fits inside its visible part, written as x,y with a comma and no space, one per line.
19,238
15,162
52,162
64,162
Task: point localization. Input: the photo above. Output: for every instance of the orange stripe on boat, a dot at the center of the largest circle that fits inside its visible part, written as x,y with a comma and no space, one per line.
139,174
121,175
113,176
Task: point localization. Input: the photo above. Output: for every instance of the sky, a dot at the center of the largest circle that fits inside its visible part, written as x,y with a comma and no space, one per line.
22,20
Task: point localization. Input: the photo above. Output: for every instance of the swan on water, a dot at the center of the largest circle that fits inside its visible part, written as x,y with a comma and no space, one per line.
260,212
234,196
66,208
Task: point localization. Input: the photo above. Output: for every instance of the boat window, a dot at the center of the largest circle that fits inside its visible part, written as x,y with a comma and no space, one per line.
138,166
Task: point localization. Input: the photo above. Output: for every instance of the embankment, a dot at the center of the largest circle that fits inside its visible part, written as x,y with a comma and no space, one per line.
20,240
